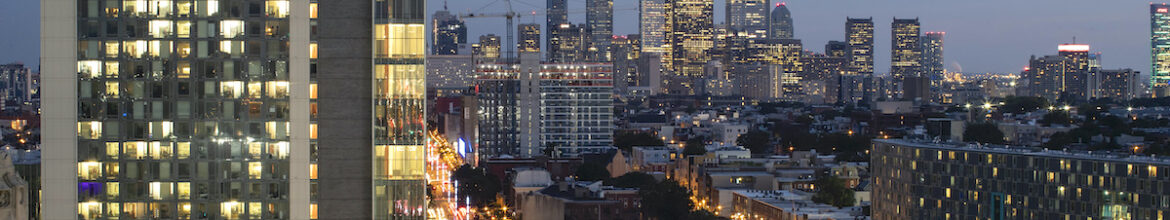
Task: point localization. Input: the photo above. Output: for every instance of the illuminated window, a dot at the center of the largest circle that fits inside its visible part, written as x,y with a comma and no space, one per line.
313,171
231,210
254,89
161,129
231,89
134,7
111,69
255,170
89,210
184,8
184,190
89,170
160,8
312,10
184,70
112,150
112,49
277,89
89,129
184,150
313,131
276,9
184,210
231,28
255,210
313,211
209,7
134,150
313,90
160,48
160,28
313,51
183,29
136,49
89,68
160,190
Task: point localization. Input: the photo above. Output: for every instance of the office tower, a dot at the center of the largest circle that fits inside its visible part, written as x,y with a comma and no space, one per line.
922,180
827,69
654,28
556,14
16,86
1160,49
450,75
626,53
599,22
649,78
748,17
932,56
691,37
176,122
781,23
758,81
906,51
837,49
568,43
1073,80
488,49
859,74
718,82
449,33
1115,84
859,35
530,105
529,38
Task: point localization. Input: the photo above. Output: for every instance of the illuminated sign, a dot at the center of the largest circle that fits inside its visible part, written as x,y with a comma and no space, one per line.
1073,48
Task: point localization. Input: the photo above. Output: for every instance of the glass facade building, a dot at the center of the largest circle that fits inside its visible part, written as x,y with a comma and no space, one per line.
922,180
208,109
1160,47
691,39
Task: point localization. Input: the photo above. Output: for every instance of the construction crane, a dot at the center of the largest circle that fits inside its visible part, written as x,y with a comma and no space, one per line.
508,16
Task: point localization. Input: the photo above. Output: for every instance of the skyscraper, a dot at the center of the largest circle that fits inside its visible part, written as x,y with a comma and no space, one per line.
747,17
599,22
1074,80
691,39
859,35
858,76
568,43
175,122
906,49
529,38
556,14
653,26
1160,49
449,33
932,56
781,22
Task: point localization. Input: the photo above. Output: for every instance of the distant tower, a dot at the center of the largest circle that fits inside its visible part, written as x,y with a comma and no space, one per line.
529,38
857,81
906,48
691,39
1160,49
488,49
747,17
449,34
556,14
932,54
599,22
781,22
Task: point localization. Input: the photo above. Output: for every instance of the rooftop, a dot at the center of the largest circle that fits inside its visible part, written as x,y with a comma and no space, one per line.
1034,151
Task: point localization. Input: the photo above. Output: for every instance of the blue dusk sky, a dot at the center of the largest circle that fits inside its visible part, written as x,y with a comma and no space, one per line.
982,36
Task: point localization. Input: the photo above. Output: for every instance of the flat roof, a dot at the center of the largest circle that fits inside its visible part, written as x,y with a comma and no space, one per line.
1034,151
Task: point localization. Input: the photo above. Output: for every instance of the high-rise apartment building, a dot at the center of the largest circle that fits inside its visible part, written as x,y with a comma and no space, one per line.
691,36
529,38
747,17
1043,76
781,22
530,105
450,75
204,109
1074,81
626,54
923,180
932,56
1160,49
449,33
599,22
1116,84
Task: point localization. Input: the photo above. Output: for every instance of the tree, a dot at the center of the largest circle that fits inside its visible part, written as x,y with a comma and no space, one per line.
550,149
632,180
627,140
592,171
758,142
833,192
477,183
1056,117
1022,104
666,200
983,133
695,146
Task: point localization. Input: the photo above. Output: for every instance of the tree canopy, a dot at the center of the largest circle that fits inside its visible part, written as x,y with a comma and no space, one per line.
632,180
477,183
1022,104
983,133
832,191
695,146
626,140
758,142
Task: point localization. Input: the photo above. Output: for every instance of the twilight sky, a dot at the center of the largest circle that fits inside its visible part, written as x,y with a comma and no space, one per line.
982,36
